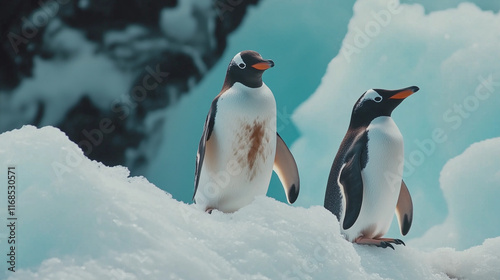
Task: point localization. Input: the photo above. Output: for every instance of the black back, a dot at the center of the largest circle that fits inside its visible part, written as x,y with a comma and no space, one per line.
354,140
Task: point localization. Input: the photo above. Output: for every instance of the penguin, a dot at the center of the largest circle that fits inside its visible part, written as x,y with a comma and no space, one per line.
365,185
240,147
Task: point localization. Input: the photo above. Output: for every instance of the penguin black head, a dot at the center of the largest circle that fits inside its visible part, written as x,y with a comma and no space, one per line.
247,68
378,102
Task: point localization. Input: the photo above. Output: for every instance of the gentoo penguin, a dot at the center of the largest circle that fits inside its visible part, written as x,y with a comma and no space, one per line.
239,146
365,185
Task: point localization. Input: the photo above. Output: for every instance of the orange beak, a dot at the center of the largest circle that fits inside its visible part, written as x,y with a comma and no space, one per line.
263,65
405,93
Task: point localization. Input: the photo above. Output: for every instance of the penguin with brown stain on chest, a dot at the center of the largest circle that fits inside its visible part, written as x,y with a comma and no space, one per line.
240,147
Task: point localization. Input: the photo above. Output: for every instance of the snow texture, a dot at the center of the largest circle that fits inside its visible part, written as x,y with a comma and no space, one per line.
471,198
79,219
447,54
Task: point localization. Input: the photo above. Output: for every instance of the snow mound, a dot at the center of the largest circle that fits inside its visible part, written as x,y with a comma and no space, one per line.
471,198
79,219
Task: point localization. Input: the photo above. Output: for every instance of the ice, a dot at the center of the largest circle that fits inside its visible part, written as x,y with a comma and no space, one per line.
78,219
471,198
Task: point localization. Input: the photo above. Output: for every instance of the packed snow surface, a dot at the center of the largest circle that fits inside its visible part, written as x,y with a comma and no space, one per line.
79,219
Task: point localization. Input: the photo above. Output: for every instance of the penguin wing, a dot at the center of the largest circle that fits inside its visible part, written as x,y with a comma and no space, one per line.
351,181
286,168
207,132
404,209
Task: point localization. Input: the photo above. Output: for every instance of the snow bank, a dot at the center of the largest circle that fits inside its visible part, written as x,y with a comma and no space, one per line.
472,198
78,219
448,55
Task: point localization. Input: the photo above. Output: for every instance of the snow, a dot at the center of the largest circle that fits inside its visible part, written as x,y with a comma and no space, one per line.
448,55
432,5
170,17
471,198
59,85
187,25
79,219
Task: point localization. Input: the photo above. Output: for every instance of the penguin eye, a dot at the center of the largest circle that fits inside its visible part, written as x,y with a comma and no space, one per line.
378,99
242,65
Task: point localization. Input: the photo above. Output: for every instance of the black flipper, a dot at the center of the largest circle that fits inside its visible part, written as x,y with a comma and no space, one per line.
351,182
207,132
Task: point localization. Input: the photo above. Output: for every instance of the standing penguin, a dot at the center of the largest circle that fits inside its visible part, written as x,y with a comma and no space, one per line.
365,185
239,146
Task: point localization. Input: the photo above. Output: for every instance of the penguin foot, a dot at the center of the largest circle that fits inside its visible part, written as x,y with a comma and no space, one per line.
393,240
380,242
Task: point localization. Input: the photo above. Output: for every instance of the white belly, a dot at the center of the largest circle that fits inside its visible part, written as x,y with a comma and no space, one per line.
240,162
381,180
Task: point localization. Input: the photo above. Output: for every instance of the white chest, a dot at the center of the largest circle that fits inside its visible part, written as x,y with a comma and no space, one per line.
242,149
382,177
246,122
385,153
